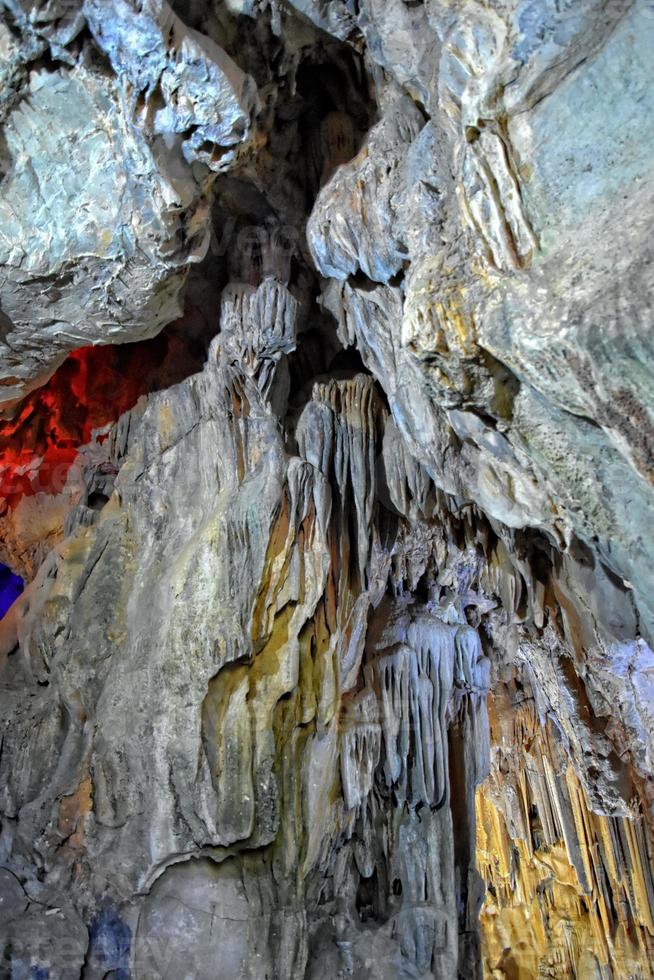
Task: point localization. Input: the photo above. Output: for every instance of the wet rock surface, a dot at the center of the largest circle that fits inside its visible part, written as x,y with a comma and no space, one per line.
334,657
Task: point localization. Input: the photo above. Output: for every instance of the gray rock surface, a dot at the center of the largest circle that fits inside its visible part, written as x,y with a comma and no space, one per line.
347,671
98,252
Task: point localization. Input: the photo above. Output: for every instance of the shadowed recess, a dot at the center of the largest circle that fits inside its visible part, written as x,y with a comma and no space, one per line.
91,389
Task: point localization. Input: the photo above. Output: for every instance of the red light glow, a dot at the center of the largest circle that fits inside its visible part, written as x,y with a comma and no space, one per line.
92,387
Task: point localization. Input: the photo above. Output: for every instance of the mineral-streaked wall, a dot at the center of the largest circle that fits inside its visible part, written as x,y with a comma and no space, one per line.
334,661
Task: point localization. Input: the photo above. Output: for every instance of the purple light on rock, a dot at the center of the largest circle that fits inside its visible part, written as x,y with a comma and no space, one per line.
11,587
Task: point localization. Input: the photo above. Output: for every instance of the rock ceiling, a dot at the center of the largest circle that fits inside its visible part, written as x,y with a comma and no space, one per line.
326,424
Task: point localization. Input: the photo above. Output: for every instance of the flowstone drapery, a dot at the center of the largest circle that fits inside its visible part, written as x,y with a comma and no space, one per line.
325,457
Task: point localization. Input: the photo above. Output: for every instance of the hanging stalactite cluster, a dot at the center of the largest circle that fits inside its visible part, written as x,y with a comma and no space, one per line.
333,658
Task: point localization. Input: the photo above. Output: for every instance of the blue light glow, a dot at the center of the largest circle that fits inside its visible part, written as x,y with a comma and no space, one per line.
11,587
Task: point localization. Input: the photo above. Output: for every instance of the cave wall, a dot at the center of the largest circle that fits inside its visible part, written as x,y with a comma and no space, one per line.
333,658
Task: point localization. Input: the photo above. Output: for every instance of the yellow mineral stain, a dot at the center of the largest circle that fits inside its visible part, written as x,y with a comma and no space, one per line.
569,891
72,811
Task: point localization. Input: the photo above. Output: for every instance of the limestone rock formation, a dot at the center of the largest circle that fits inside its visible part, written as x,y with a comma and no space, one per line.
100,214
334,654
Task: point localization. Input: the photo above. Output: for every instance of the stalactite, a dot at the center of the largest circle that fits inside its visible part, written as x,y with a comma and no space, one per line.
565,886
335,653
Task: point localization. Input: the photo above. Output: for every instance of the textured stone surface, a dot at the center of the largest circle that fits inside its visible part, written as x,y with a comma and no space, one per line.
97,252
334,658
